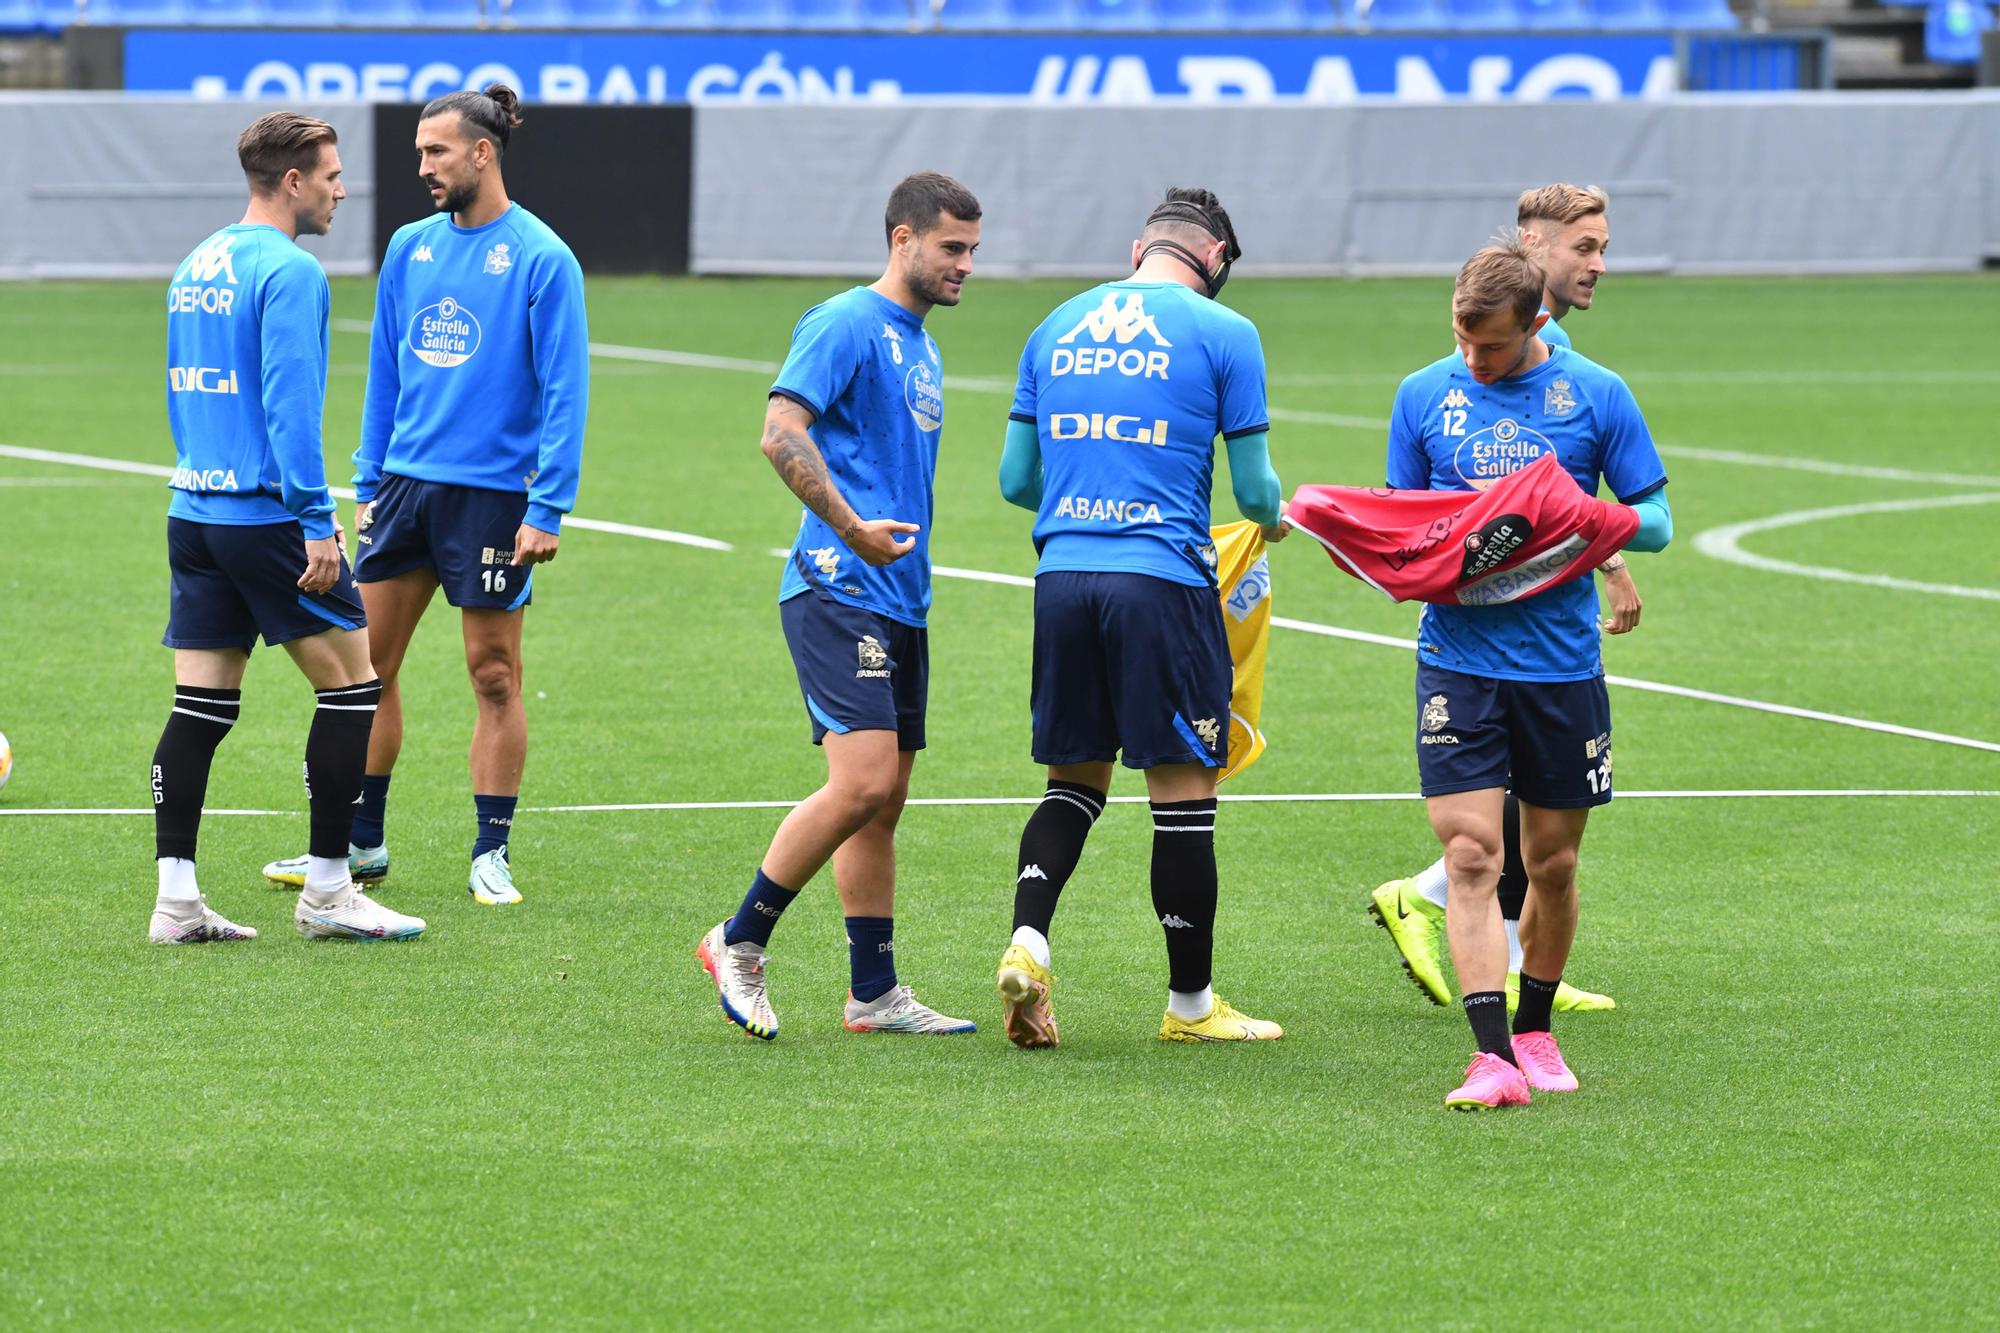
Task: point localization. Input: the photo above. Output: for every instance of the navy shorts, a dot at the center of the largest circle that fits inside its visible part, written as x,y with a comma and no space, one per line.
858,670
1131,663
1550,741
231,583
463,534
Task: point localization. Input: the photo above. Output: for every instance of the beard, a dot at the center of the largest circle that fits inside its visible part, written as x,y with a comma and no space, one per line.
931,287
457,198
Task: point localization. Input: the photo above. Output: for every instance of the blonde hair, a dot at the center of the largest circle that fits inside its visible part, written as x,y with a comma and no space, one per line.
1502,277
1562,204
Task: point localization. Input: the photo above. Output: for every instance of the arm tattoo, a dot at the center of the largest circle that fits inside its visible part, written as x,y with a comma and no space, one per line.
798,461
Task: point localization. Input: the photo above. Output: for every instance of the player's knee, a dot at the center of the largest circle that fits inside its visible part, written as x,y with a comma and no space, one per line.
495,680
1557,870
862,797
1472,858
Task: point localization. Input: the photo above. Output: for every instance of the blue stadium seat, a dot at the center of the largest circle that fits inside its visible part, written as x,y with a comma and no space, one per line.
448,13
378,13
749,13
1267,15
895,15
1402,16
1627,14
20,16
1952,29
674,14
1192,15
224,13
1698,14
1545,14
598,13
1115,15
980,16
1328,13
528,13
823,15
1480,15
300,13
1042,15
138,12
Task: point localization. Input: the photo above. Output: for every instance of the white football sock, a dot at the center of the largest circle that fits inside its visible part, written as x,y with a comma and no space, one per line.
1191,1005
1513,929
1430,883
177,879
1036,943
324,874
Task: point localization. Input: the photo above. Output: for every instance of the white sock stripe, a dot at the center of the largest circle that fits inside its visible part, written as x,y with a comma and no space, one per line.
207,717
212,703
349,708
357,689
1183,828
1079,802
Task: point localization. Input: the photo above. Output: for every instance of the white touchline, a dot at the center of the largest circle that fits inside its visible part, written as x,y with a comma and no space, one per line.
1022,581
1254,798
1724,543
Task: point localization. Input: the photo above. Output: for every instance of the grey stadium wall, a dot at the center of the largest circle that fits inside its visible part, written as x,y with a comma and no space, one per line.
110,185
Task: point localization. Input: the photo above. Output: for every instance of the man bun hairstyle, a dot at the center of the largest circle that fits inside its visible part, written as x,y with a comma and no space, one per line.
490,115
280,142
1187,218
1560,204
1502,277
920,199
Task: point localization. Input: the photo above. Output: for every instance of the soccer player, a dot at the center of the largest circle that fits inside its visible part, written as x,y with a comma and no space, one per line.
1513,696
1120,396
852,425
471,442
1566,228
252,543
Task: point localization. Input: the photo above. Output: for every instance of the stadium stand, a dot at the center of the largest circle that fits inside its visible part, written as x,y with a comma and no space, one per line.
1952,29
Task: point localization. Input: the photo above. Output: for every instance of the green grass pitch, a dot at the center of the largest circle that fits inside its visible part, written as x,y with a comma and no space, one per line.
537,1116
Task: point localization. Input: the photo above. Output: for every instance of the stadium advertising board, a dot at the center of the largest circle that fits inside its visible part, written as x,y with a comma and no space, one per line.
627,67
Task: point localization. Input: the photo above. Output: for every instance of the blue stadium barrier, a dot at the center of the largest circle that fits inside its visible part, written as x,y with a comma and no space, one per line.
300,13
1403,16
135,12
1699,14
1622,14
977,16
1265,15
229,13
378,13
823,15
895,15
1116,15
1042,15
1952,29
447,13
749,13
1191,15
1480,15
603,14
1544,15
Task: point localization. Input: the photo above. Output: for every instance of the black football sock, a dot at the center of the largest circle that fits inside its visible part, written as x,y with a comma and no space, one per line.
1513,888
1537,998
1051,845
336,753
1486,1010
1184,889
201,717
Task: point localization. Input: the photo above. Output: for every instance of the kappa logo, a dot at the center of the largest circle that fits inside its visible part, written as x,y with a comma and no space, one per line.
211,259
422,256
1121,324
1558,401
1437,713
1032,872
1456,398
826,559
1172,922
498,260
1208,730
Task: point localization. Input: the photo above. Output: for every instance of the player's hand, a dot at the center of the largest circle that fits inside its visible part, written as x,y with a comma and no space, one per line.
322,563
532,546
1276,533
364,513
878,541
1623,596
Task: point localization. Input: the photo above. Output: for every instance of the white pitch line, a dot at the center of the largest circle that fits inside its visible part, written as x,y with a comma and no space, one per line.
1724,543
1258,798
1021,581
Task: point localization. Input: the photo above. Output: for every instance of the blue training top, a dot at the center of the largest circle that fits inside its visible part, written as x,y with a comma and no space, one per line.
479,367
1448,432
1128,385
874,382
247,319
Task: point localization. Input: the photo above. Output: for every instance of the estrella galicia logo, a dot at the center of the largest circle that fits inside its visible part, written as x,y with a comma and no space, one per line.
1493,544
445,334
1500,450
925,396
